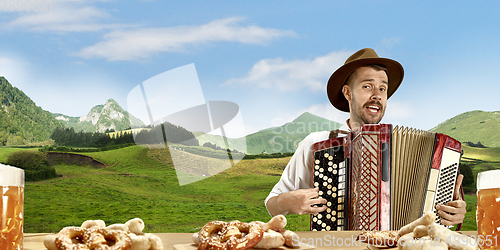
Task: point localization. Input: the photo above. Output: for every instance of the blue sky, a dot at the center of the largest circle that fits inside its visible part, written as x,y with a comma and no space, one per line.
272,58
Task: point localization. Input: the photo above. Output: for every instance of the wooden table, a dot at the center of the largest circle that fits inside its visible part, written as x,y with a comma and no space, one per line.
183,241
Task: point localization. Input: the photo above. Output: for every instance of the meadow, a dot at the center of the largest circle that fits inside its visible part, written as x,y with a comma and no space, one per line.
141,182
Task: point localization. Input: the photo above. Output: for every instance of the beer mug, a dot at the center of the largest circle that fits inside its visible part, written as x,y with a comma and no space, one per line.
488,209
11,207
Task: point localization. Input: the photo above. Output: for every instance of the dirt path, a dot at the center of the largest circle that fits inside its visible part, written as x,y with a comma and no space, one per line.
55,158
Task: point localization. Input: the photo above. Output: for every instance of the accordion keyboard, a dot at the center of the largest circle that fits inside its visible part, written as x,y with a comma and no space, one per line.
446,186
330,176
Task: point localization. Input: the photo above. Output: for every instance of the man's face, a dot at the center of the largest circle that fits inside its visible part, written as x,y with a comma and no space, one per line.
366,91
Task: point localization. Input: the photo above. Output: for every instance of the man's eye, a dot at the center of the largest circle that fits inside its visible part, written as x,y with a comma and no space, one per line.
383,89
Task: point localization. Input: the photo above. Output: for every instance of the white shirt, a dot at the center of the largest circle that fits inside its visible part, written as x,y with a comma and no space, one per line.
298,171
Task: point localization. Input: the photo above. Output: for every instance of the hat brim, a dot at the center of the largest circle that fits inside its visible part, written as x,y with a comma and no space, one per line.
337,80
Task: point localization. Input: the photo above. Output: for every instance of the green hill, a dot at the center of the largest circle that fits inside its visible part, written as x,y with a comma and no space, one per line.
285,138
21,121
281,139
474,126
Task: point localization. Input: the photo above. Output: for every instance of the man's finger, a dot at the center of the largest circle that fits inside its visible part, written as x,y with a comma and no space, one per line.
316,210
446,208
456,194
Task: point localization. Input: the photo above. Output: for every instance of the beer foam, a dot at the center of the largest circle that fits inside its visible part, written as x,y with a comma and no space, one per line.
488,179
11,176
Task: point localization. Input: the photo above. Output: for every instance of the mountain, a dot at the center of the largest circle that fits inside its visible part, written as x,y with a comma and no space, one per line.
109,116
21,121
473,126
281,139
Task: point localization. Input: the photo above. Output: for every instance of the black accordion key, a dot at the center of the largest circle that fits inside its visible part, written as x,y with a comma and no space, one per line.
330,176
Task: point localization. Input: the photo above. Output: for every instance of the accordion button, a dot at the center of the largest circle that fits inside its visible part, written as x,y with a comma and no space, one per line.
326,155
316,161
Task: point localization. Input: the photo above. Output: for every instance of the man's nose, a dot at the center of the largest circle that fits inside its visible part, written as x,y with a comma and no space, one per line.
376,94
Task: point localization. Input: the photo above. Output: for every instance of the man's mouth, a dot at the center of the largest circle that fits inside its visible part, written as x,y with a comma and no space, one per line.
373,108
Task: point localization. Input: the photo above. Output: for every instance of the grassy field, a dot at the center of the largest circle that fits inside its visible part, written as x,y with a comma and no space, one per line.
139,182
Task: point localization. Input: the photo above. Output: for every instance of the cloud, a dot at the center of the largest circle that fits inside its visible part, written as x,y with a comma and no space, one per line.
65,16
141,43
293,75
14,70
398,110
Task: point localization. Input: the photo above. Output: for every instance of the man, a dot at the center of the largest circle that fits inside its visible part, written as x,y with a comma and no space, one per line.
361,87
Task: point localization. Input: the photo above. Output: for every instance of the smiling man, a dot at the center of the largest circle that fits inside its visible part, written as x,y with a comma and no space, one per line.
361,87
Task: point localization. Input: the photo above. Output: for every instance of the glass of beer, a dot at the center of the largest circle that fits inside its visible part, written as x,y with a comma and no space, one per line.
11,207
488,209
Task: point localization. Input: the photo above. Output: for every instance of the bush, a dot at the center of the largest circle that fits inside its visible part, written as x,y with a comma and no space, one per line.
34,163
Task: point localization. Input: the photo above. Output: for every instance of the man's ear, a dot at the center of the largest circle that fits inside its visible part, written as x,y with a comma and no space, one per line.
347,92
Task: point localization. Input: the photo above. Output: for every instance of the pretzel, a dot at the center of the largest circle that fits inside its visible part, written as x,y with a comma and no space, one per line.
50,242
456,240
252,235
271,239
426,219
64,239
97,238
235,235
379,238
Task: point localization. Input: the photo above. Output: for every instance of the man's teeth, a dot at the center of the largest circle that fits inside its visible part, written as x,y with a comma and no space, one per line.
373,108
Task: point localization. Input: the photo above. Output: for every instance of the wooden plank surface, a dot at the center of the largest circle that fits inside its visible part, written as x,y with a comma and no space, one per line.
307,240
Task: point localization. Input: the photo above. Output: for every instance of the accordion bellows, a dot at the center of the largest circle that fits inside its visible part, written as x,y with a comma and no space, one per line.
382,178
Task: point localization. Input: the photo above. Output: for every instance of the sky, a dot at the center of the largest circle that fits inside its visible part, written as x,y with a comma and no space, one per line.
271,58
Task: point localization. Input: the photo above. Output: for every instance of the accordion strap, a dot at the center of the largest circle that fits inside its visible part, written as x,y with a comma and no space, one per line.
335,133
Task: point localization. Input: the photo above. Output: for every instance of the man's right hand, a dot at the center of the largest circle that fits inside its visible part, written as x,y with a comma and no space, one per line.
298,202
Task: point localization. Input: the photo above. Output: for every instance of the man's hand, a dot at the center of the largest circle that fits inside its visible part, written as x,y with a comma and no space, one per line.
297,202
454,211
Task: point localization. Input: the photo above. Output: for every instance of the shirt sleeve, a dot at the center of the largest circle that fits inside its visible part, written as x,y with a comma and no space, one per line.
298,172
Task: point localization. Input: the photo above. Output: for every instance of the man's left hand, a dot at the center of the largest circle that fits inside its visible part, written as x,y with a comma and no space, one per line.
454,211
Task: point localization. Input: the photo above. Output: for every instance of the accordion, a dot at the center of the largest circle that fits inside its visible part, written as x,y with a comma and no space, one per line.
382,178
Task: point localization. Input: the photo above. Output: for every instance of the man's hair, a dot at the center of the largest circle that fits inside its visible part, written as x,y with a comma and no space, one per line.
377,67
